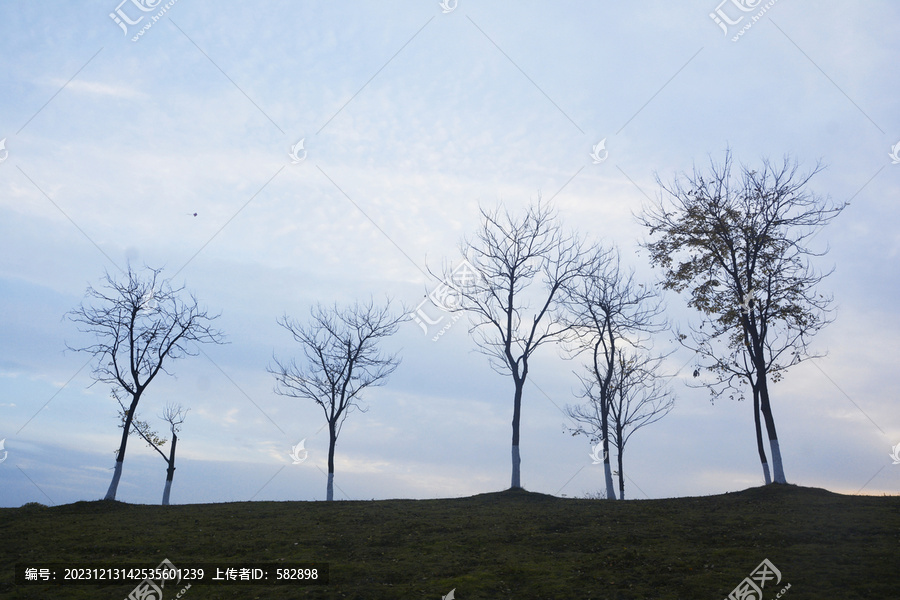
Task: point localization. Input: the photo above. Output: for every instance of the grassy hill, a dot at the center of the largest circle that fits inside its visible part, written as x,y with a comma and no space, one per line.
512,544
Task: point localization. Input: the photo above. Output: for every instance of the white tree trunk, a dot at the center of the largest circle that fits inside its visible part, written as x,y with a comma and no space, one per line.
329,493
776,462
166,492
765,467
610,488
516,461
114,484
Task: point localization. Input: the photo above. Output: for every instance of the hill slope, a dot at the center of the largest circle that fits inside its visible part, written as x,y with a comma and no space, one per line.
512,544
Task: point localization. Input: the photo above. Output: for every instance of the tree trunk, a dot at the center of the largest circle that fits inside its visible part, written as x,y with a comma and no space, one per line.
114,484
170,472
605,399
621,447
759,363
120,455
777,468
604,431
517,411
166,490
607,470
332,440
759,441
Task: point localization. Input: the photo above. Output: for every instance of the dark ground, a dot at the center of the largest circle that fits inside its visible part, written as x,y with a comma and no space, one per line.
512,544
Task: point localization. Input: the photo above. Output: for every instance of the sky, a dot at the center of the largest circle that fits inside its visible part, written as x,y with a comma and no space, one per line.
412,115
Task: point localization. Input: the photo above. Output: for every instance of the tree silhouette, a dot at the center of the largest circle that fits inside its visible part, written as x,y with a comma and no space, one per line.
342,359
737,245
639,398
174,415
522,261
140,323
608,311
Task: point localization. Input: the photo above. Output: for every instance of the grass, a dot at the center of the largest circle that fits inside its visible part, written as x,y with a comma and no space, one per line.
512,544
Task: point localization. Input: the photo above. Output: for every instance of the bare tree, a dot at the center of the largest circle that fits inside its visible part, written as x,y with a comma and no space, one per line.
738,247
639,398
139,323
342,358
174,415
523,262
608,311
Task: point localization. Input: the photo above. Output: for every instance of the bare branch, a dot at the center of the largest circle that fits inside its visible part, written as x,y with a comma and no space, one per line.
342,359
611,316
738,246
139,324
524,262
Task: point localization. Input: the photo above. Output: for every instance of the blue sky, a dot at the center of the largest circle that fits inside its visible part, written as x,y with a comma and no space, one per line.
411,118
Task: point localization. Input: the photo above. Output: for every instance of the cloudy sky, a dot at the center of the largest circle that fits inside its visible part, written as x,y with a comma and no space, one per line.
411,116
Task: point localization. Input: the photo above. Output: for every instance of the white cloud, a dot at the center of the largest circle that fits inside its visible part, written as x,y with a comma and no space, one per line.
96,88
149,133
